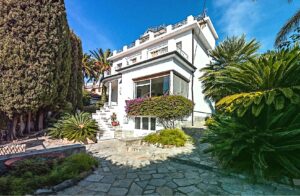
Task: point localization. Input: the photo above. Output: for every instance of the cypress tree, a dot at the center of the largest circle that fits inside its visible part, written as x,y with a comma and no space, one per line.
76,77
34,59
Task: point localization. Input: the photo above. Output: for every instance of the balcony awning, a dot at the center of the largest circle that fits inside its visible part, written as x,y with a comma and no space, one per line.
111,77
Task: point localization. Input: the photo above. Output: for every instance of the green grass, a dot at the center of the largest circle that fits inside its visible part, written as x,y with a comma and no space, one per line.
31,174
171,137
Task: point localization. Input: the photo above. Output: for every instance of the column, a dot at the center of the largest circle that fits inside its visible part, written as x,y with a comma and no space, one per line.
171,83
109,94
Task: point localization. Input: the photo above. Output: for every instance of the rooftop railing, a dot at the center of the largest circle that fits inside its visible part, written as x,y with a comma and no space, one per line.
179,24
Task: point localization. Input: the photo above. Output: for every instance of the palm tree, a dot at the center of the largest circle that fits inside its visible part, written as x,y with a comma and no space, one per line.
273,78
291,25
88,68
102,64
233,50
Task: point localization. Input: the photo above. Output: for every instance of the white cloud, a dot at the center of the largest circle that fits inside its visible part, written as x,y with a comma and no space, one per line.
237,17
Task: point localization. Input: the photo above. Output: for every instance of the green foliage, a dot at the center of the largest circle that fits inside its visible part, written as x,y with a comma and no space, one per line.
76,77
90,109
34,55
234,50
79,127
272,79
86,98
167,109
35,173
267,146
170,137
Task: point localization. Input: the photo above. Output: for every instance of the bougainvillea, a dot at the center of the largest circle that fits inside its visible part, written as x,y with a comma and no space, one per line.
167,109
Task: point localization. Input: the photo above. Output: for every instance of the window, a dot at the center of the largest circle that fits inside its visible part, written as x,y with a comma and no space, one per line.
180,86
133,60
137,123
145,123
119,65
157,86
143,89
179,45
153,124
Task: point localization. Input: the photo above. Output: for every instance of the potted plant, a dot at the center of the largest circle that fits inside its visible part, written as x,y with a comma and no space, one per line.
114,121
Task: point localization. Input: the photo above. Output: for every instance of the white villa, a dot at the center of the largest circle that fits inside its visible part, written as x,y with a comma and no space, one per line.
164,60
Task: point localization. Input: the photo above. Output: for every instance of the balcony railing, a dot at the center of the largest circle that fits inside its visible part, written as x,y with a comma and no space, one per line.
179,24
183,53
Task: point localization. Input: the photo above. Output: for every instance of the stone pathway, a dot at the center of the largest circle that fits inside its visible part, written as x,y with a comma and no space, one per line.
164,177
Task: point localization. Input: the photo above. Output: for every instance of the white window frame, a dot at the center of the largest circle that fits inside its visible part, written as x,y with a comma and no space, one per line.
149,123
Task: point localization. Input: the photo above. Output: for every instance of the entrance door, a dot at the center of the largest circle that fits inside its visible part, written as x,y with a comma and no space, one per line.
114,92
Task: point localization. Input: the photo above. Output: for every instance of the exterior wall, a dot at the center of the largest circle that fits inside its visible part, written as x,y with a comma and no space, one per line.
127,91
142,52
201,59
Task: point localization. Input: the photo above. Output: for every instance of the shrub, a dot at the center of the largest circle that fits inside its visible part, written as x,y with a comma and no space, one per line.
168,109
89,109
23,181
267,146
78,127
173,137
86,98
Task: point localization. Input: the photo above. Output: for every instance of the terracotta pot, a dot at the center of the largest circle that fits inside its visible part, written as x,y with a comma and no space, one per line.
114,123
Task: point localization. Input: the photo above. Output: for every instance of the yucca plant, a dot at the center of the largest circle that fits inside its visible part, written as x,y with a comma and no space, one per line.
79,127
262,146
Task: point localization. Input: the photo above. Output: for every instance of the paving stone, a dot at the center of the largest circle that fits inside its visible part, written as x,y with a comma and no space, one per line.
145,176
184,182
84,183
164,191
108,179
135,190
188,189
176,175
162,170
106,169
94,178
122,183
117,191
131,175
103,187
157,182
142,184
158,175
191,175
148,191
171,185
149,187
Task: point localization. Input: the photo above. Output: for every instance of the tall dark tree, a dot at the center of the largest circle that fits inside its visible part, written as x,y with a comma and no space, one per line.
76,78
35,61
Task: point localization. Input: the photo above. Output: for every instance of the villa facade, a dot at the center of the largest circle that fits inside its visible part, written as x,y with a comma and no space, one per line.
164,61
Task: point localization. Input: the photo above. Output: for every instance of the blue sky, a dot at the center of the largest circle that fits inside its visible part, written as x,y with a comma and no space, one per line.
114,23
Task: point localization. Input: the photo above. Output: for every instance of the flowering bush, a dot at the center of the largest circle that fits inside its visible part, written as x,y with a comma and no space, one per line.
168,109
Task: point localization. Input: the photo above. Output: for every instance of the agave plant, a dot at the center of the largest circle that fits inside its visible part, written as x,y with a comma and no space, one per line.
79,127
264,147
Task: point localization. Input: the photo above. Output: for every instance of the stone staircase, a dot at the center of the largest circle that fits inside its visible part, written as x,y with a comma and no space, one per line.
102,116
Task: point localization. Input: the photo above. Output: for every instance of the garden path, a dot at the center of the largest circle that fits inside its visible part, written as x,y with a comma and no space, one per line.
168,176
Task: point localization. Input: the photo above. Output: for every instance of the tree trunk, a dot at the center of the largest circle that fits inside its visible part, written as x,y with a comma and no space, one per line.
12,126
103,94
22,126
29,124
41,121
